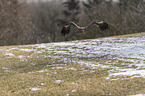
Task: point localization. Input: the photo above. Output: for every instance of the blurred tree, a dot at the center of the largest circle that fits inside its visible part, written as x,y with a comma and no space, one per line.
72,10
108,3
126,5
45,18
90,6
15,23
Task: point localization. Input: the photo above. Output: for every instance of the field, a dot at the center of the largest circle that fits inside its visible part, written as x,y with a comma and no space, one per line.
92,67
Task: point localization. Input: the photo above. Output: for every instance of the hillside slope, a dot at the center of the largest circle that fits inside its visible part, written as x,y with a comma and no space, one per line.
103,66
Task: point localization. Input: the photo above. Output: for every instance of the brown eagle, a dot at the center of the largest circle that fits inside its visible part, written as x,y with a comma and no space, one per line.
66,28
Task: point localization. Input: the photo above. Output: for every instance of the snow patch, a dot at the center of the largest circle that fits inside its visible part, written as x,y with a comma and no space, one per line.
5,68
42,70
123,56
10,54
130,73
26,50
34,89
73,91
58,81
70,69
137,95
42,84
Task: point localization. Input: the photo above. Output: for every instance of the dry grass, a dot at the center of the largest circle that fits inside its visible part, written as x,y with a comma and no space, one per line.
20,77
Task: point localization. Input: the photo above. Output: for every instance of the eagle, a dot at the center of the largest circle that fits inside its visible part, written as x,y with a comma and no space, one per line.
67,26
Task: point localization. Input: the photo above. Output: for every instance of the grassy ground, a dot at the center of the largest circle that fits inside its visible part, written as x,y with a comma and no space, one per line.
40,73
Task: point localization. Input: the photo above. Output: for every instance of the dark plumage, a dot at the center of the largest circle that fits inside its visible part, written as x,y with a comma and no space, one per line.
102,25
66,28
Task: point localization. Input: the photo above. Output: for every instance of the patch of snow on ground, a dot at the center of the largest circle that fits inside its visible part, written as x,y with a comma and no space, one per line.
42,84
70,69
73,91
123,56
42,70
130,51
66,95
26,50
137,95
58,81
5,68
21,56
34,89
130,73
12,49
10,54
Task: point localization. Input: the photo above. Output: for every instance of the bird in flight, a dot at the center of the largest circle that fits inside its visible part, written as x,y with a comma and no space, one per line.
66,28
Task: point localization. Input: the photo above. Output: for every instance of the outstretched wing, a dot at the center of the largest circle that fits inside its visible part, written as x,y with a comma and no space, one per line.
102,25
66,28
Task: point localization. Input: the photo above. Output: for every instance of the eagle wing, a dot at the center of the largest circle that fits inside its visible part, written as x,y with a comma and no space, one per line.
66,28
101,24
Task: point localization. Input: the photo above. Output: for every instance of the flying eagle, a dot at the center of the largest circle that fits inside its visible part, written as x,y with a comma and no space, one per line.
66,28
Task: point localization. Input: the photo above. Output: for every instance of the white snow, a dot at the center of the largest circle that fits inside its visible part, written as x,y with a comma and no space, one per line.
10,54
70,69
124,56
137,95
58,81
26,50
66,95
59,67
34,89
5,68
73,91
130,73
21,56
74,84
42,70
42,84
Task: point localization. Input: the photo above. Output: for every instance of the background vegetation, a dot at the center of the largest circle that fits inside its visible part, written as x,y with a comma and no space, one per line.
37,22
